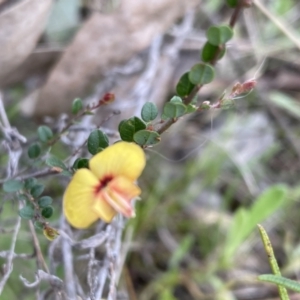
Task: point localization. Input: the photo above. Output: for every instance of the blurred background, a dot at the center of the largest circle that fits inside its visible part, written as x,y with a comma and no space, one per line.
202,181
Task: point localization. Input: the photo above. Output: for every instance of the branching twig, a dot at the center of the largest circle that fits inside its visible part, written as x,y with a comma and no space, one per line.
43,276
91,242
90,273
85,111
12,143
6,254
9,264
113,248
68,262
165,126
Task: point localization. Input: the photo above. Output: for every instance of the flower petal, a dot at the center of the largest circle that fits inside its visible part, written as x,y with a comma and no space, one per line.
79,199
119,193
120,159
103,209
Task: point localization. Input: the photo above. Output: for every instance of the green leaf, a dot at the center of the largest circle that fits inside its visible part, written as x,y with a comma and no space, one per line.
181,251
66,173
245,220
12,185
167,293
128,128
77,105
97,141
282,281
37,190
218,35
210,51
176,100
184,86
53,161
45,133
47,212
27,212
172,110
227,103
45,201
34,150
38,225
81,163
149,112
191,108
287,103
232,3
146,137
29,183
201,74
164,117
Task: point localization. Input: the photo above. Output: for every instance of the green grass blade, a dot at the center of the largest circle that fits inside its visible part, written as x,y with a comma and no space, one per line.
281,281
273,262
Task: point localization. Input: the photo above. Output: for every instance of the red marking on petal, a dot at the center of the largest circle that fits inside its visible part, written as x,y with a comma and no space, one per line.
103,183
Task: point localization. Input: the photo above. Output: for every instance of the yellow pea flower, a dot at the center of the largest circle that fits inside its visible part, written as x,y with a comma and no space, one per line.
106,188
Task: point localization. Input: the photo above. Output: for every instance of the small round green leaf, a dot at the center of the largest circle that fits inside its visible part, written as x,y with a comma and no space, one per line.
45,201
128,128
149,112
37,190
12,185
184,86
29,183
53,161
66,173
191,108
201,74
97,141
27,212
232,3
34,151
218,35
47,212
176,99
126,131
172,110
45,133
146,137
209,52
77,106
81,163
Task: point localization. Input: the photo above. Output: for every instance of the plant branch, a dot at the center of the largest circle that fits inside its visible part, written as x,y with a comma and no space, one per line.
9,264
197,88
85,111
40,258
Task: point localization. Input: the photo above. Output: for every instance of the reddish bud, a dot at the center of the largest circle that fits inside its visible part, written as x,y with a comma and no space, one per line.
242,88
107,98
249,85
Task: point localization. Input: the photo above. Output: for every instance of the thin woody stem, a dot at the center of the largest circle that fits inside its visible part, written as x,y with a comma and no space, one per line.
198,87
